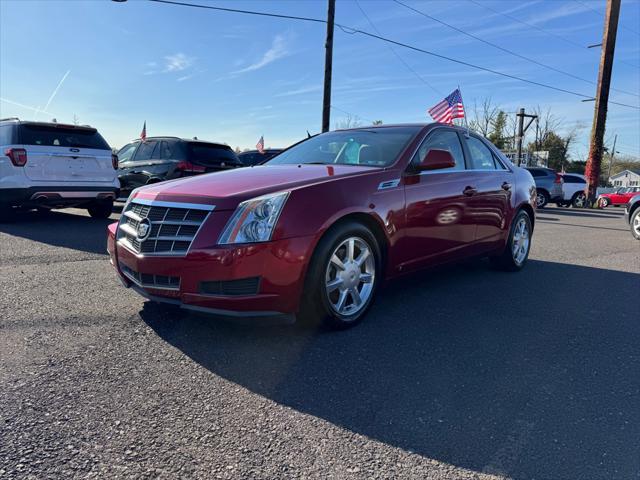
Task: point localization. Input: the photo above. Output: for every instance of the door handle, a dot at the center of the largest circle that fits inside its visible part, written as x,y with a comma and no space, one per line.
468,191
506,186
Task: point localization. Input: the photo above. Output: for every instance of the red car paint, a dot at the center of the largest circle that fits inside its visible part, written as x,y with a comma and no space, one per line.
621,196
421,220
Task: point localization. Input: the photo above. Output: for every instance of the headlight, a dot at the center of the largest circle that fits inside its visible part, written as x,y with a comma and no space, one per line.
254,220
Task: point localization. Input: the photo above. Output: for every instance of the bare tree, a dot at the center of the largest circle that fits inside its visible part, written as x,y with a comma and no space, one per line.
76,120
377,122
350,121
483,117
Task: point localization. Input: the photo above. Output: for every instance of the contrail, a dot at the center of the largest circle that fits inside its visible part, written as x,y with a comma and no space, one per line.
56,89
33,109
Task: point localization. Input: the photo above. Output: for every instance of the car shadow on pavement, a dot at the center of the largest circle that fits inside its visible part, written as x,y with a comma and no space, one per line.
530,375
62,229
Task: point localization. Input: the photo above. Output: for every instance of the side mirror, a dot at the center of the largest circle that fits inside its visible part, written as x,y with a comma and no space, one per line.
436,160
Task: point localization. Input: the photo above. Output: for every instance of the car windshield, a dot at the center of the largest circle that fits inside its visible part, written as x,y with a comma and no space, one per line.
373,148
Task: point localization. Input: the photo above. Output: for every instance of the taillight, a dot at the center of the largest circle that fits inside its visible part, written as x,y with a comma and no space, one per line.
558,179
114,161
189,167
18,156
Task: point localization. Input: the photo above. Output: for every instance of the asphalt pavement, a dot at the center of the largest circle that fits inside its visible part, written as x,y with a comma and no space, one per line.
459,372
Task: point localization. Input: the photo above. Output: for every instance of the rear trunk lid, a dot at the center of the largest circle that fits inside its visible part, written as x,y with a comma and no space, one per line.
66,153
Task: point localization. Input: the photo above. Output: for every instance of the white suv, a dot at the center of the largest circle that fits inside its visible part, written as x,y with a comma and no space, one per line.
52,165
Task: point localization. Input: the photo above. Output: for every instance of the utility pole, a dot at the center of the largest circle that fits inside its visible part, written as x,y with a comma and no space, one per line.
521,131
613,154
592,172
328,63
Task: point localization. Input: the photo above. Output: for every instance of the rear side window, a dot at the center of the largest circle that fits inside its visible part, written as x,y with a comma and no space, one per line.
443,140
537,173
481,156
145,151
572,179
210,154
61,137
6,135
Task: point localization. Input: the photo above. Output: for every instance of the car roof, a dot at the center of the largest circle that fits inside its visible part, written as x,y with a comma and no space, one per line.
266,150
16,120
189,140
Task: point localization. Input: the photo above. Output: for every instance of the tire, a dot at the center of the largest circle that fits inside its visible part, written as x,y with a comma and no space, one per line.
509,260
634,223
542,199
579,200
339,292
603,202
101,209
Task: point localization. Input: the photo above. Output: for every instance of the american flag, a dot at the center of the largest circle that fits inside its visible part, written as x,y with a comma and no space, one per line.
260,145
448,109
143,134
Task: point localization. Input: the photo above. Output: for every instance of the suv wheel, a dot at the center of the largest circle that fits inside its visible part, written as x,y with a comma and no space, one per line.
516,252
579,200
635,224
542,198
343,277
7,213
101,209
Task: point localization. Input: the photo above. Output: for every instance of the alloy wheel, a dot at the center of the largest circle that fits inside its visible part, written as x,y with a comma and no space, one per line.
580,200
540,200
636,225
350,276
520,241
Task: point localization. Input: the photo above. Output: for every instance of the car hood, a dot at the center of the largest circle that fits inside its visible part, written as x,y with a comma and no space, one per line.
226,189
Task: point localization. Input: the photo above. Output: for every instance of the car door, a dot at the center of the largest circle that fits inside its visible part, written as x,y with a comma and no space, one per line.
490,198
436,217
136,171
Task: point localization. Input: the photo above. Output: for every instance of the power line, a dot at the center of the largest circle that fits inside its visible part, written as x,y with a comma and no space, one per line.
395,42
601,13
396,53
547,32
510,52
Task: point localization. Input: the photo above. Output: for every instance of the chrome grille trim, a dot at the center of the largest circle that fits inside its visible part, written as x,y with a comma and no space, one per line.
173,226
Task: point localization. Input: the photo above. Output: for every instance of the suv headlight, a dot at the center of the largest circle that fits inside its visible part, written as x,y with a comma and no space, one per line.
254,220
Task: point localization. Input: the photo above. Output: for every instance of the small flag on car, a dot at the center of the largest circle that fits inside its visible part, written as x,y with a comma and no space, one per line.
260,145
448,109
143,134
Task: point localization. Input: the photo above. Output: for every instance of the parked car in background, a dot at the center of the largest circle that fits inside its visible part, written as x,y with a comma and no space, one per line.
632,216
53,165
314,231
164,158
621,196
254,157
548,185
573,186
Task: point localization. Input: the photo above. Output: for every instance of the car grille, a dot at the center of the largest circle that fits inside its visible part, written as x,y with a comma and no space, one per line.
243,286
148,280
173,226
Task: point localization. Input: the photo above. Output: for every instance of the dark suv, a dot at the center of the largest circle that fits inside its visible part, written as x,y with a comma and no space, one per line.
548,185
164,158
254,157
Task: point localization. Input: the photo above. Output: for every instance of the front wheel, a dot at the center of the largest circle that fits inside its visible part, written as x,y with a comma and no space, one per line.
603,202
343,277
635,224
516,252
101,209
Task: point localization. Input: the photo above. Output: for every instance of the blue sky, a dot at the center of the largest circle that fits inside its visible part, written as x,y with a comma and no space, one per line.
231,78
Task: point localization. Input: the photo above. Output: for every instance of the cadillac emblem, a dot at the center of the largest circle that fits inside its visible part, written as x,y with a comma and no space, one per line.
144,229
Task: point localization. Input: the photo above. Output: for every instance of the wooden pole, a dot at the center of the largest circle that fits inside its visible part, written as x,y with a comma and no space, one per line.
328,64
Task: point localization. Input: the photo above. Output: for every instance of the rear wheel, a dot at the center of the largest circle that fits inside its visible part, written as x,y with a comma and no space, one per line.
101,209
579,200
542,198
342,277
516,252
635,224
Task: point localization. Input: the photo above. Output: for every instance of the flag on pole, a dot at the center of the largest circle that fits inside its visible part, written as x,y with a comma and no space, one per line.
260,145
448,109
143,134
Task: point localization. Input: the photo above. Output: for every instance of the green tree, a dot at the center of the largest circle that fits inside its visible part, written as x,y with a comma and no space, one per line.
498,126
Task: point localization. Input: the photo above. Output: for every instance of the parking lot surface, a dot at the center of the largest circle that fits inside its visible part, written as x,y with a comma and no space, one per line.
460,372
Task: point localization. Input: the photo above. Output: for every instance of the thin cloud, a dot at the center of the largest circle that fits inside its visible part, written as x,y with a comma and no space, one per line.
278,50
177,62
300,91
186,77
22,105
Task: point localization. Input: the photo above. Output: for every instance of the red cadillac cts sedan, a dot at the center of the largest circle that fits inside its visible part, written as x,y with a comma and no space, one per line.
315,231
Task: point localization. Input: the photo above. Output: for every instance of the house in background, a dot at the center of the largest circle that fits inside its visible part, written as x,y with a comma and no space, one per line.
626,178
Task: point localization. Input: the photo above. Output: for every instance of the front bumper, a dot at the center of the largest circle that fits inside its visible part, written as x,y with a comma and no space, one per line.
185,281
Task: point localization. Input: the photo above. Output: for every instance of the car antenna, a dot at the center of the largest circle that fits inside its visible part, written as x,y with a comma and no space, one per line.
465,114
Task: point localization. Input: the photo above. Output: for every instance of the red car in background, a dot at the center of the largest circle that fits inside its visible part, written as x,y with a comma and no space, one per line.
316,230
620,197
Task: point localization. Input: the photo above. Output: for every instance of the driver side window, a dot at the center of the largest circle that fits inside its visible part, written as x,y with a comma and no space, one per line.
442,140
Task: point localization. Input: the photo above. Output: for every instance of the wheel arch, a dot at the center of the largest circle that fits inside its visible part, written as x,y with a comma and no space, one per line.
530,211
